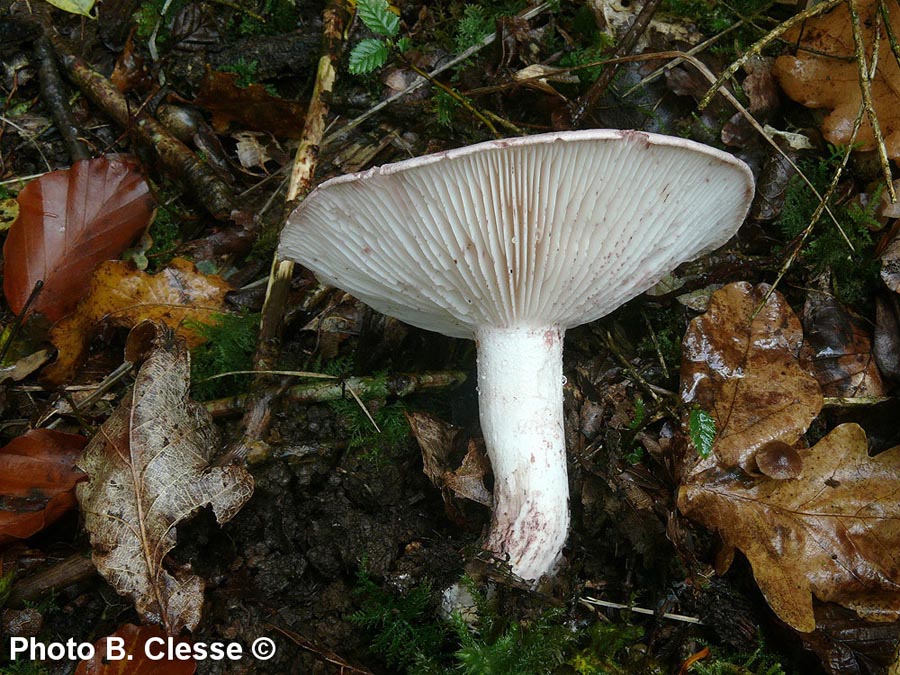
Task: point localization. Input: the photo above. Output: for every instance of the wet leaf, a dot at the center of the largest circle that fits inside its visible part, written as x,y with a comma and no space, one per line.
824,74
37,481
149,470
841,349
746,373
121,296
830,533
848,645
138,663
69,222
251,107
887,335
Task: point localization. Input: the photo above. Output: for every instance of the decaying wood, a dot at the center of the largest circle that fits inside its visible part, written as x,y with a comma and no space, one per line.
259,402
175,157
363,387
73,569
54,95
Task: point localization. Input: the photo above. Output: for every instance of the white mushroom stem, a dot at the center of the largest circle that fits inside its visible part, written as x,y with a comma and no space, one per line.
520,397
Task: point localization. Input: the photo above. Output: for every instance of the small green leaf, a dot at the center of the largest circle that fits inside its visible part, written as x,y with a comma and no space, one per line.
368,55
403,44
378,17
702,428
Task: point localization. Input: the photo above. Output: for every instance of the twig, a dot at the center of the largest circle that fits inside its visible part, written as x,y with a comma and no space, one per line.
177,159
53,93
594,602
17,323
73,569
865,86
587,102
455,95
364,387
854,401
756,48
257,416
323,653
675,62
488,39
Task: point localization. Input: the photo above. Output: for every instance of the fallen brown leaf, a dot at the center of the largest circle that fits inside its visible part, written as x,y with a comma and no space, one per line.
137,663
121,296
149,470
70,221
441,445
37,481
841,349
832,533
824,74
746,373
252,107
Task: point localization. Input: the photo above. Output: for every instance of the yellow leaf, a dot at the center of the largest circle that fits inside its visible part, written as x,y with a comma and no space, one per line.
82,7
121,296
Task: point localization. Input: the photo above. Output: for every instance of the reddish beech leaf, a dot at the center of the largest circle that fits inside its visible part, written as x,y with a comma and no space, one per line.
70,221
149,470
137,661
832,532
121,296
746,373
37,481
251,107
842,357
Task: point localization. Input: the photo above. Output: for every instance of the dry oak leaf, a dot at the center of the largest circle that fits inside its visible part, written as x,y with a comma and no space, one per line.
37,481
833,532
121,296
149,470
70,221
824,74
138,661
746,373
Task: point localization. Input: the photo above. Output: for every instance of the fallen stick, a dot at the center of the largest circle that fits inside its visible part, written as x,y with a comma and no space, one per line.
175,157
364,387
258,403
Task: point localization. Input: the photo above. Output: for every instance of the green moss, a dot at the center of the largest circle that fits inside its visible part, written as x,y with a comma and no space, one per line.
166,234
231,341
149,14
757,663
407,634
854,273
402,626
280,16
246,72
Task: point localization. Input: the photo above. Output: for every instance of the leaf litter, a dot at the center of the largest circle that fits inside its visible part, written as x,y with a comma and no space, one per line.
149,470
821,521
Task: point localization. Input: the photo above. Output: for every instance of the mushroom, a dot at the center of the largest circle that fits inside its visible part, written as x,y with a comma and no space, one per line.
511,242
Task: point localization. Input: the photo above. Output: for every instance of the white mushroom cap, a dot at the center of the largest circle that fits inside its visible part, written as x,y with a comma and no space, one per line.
559,228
